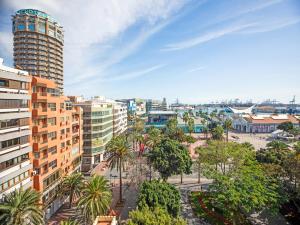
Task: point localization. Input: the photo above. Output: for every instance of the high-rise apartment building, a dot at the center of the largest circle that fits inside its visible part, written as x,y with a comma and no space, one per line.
15,148
57,141
38,45
97,130
103,119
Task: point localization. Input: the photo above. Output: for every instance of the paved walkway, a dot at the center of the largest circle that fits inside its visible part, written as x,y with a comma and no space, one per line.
187,211
64,213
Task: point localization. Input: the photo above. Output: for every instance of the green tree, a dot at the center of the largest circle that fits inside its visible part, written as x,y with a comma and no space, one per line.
95,199
217,133
231,193
205,131
153,138
170,158
21,207
146,216
72,186
173,131
276,152
139,125
202,158
191,125
286,126
118,151
159,194
227,126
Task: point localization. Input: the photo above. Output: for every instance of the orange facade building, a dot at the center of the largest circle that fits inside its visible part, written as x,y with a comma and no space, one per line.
57,140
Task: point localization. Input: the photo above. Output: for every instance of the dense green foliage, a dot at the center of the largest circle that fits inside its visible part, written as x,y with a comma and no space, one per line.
235,172
146,216
286,126
159,194
276,152
95,199
21,207
170,158
217,132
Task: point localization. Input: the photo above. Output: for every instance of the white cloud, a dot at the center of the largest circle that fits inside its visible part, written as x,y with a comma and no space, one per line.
196,69
206,37
90,25
273,25
134,74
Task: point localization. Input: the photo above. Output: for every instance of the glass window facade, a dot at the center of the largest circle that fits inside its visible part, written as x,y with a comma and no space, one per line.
31,27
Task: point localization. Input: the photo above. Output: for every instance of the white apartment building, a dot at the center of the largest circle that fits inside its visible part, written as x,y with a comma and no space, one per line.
119,117
15,133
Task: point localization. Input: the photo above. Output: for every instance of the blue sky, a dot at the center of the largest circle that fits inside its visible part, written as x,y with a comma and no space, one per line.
194,50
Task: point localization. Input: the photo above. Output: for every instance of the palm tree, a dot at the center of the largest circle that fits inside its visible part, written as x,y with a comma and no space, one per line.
227,126
153,139
118,150
72,186
69,222
185,117
95,199
191,125
205,131
21,207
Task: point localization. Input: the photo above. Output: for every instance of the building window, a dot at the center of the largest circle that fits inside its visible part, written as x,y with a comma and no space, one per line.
52,121
31,27
3,83
42,27
52,150
53,164
52,135
52,106
21,27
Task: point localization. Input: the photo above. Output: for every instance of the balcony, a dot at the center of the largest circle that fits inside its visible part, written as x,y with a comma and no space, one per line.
40,128
39,96
41,111
37,146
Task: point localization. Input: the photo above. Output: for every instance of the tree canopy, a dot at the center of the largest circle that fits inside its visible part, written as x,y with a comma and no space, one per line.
217,132
147,216
159,194
286,126
170,158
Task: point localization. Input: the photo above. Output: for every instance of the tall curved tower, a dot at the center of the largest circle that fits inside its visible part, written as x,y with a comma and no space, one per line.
38,45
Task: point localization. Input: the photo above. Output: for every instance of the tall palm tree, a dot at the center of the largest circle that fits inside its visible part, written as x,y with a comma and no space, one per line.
153,139
118,151
205,131
185,117
72,186
227,126
21,207
191,125
95,199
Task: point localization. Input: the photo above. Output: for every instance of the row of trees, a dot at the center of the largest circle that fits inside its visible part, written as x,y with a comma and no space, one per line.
24,206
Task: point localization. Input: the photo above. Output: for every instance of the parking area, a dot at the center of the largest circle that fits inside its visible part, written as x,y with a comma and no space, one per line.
257,140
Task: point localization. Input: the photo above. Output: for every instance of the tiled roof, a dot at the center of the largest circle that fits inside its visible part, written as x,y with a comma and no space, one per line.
272,119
